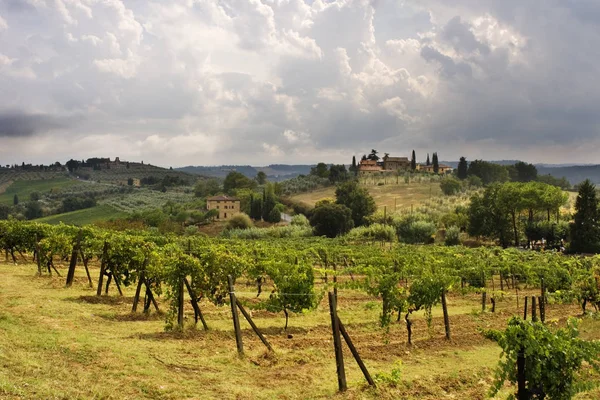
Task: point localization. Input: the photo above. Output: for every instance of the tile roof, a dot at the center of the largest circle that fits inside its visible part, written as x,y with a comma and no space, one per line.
222,198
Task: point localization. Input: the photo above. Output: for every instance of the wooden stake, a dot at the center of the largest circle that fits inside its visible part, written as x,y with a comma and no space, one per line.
253,325
533,309
180,305
73,263
483,300
150,297
337,344
542,309
446,318
525,309
136,298
197,311
521,388
116,278
37,253
102,268
85,264
236,319
354,352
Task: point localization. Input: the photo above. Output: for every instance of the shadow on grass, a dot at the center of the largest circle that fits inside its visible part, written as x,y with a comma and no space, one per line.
187,334
132,317
110,300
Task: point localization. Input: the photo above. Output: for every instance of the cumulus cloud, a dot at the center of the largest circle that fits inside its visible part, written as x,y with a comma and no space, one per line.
253,81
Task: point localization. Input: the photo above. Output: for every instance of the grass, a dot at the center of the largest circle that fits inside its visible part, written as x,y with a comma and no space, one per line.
23,189
68,343
102,212
393,196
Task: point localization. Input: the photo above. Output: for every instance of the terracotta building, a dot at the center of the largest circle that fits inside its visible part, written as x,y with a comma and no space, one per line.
395,163
443,168
227,206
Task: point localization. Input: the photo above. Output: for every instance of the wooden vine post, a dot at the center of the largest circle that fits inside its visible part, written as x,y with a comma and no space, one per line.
102,268
483,300
253,325
337,344
533,309
73,263
521,383
525,309
194,301
338,328
236,318
180,303
37,255
446,318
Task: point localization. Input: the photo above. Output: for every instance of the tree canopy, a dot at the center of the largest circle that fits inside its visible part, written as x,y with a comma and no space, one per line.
357,199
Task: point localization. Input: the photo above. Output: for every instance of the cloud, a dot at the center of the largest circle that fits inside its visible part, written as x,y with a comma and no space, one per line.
19,124
253,81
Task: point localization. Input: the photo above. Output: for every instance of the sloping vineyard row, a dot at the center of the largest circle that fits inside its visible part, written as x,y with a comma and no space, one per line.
406,278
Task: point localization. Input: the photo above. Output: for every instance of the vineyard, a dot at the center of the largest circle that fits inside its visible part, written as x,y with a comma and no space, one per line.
133,307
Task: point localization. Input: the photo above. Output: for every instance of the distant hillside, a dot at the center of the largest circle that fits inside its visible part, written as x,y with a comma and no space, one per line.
275,172
574,174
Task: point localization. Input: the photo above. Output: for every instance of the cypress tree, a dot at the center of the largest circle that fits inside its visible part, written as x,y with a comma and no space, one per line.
428,162
436,165
461,170
413,161
585,230
354,168
15,200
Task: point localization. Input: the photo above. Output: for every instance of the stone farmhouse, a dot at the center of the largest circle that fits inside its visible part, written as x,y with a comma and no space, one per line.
226,206
442,168
389,164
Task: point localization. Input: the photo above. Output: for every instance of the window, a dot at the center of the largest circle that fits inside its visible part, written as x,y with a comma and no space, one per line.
225,216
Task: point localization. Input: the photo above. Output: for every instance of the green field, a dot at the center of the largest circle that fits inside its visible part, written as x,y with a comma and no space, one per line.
86,216
66,343
23,189
393,196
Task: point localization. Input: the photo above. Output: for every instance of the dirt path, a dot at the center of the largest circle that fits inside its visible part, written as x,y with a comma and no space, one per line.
4,186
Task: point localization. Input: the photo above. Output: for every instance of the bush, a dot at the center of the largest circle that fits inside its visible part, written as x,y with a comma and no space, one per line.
239,221
275,232
380,232
300,220
450,185
415,228
331,220
274,215
452,236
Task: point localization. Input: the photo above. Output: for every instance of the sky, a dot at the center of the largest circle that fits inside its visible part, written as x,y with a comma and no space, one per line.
210,82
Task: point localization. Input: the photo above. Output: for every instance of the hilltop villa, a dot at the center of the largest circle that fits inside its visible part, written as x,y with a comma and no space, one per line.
390,164
225,205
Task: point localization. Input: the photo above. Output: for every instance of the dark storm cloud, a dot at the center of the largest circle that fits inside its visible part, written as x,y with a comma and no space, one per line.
21,124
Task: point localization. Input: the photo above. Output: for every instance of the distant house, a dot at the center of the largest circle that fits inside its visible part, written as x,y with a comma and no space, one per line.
225,205
136,182
395,163
443,168
367,166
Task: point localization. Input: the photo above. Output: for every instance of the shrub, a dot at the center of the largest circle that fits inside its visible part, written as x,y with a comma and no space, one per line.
239,221
374,232
274,215
450,185
276,232
300,220
415,228
452,236
331,220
